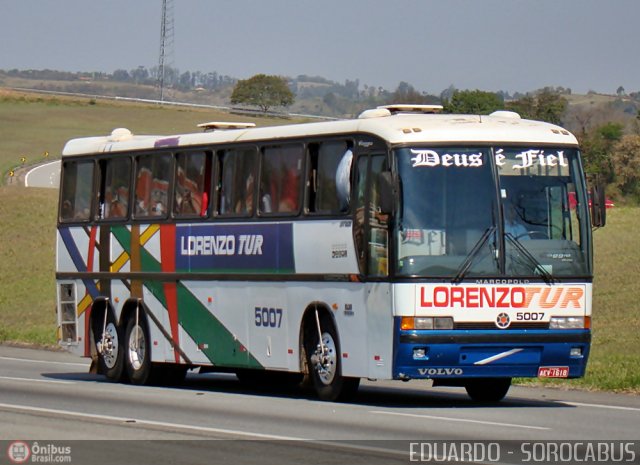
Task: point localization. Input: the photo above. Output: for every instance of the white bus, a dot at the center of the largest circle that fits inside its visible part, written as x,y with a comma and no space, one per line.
399,245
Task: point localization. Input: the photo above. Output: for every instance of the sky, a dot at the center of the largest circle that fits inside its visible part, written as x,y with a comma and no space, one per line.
509,45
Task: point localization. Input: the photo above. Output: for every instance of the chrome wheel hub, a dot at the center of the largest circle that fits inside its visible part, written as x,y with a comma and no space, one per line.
325,359
108,346
136,347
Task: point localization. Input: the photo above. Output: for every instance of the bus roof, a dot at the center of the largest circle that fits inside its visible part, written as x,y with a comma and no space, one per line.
395,128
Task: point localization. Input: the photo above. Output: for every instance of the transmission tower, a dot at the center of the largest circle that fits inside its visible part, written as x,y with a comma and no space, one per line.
166,44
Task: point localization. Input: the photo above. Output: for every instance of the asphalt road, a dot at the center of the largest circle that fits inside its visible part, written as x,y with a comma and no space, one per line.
45,175
50,396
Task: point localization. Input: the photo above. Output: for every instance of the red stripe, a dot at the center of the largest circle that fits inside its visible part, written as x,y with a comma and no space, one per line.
168,265
92,247
87,314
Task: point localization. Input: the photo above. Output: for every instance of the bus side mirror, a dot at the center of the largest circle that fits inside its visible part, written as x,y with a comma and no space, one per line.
386,192
598,206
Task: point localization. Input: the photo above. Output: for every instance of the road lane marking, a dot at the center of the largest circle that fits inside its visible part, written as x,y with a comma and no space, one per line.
138,421
179,426
11,378
175,427
460,420
612,407
28,360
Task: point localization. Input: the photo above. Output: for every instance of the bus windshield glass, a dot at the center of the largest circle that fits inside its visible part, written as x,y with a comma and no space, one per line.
491,212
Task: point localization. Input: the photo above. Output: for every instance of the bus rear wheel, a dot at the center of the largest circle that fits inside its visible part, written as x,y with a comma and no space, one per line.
137,358
488,389
325,367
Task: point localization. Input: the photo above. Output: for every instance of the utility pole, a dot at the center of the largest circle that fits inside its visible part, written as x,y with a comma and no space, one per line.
166,43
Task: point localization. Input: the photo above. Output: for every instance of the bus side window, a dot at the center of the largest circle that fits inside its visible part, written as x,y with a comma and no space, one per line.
235,191
329,177
152,185
77,191
114,189
280,179
191,185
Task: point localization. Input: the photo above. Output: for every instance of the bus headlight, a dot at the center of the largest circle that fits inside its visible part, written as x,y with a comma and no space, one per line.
424,322
567,322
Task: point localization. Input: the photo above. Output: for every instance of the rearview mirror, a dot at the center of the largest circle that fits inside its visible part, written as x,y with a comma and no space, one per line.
598,206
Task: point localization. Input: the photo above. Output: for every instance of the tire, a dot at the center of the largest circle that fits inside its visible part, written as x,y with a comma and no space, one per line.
137,353
488,389
325,369
109,347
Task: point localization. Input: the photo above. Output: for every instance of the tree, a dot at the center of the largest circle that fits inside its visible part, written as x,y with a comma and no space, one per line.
551,106
263,91
626,161
598,148
475,102
121,75
546,105
406,93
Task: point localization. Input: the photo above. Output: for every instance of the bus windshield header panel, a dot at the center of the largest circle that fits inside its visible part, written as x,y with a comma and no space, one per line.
471,212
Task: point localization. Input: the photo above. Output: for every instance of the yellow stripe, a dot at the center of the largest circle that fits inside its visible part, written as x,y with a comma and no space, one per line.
124,256
86,301
84,304
116,266
148,233
120,262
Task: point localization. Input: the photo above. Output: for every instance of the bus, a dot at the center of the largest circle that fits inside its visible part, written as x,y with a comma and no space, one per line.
404,244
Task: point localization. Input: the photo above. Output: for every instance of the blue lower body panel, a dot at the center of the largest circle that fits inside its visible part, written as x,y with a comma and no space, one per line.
442,354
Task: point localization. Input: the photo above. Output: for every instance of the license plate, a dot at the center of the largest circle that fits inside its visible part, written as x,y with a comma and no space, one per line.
553,372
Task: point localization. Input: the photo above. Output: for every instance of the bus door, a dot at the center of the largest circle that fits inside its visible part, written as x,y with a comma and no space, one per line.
371,227
371,235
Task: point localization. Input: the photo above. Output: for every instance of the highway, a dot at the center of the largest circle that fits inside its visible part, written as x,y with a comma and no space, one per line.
46,175
50,396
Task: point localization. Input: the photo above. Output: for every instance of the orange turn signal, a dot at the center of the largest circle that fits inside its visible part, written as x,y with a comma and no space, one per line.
407,323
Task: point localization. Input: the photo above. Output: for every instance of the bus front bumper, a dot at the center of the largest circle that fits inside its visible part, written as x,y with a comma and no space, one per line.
428,354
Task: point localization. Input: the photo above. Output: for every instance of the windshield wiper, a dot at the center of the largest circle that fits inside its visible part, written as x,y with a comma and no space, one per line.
464,267
548,278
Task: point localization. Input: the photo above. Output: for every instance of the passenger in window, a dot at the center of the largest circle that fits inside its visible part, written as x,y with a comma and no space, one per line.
289,197
184,203
268,191
245,204
158,209
67,210
117,209
204,205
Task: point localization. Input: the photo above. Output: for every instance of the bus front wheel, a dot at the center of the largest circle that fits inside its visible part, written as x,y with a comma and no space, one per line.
488,389
325,367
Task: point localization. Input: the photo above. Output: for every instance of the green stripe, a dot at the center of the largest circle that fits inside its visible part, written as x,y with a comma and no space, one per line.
222,348
194,318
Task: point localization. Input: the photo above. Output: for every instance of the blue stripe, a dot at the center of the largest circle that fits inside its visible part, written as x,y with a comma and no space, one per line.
78,261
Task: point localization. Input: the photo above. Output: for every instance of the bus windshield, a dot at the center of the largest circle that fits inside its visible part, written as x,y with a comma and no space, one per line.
491,212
